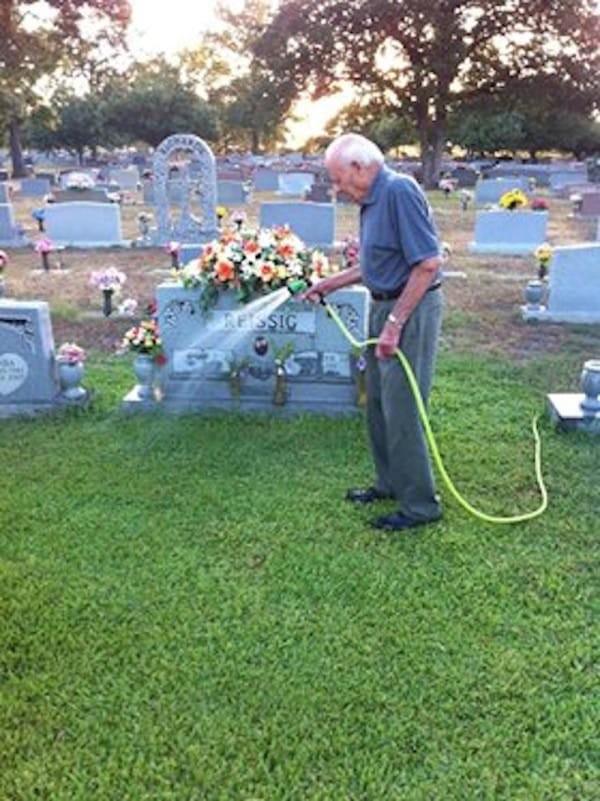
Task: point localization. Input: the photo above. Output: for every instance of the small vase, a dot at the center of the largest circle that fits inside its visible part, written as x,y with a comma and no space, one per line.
69,376
235,384
361,389
280,393
175,259
45,261
590,384
107,295
534,292
144,369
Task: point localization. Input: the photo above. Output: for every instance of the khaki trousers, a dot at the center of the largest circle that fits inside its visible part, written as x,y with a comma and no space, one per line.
402,464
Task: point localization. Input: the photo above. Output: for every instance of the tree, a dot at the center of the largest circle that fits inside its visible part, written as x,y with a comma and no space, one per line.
253,104
40,38
424,57
153,101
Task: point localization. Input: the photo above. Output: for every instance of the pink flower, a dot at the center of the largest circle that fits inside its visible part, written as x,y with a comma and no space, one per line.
173,247
44,246
3,260
71,353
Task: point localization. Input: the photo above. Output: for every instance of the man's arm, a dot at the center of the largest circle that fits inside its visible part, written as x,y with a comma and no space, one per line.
418,283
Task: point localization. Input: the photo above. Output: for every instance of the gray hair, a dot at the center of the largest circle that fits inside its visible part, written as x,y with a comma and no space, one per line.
353,147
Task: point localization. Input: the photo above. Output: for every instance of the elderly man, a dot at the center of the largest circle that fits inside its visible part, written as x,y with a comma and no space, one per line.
400,265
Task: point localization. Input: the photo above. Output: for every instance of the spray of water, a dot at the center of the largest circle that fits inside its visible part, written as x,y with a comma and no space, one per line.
242,322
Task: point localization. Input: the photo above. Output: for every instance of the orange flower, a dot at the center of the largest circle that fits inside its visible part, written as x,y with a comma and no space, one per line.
286,251
267,273
225,270
251,246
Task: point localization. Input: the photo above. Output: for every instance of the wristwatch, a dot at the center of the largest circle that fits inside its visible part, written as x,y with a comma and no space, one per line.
394,320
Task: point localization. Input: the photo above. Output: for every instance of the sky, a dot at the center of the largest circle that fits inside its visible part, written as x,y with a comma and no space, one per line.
166,26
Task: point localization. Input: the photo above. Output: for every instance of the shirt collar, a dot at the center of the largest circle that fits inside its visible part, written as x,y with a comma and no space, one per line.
376,187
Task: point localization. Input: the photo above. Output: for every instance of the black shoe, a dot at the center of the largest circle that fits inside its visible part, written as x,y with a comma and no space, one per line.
398,522
368,495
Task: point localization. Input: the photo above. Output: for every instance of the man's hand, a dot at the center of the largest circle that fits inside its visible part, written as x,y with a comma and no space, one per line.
313,294
388,341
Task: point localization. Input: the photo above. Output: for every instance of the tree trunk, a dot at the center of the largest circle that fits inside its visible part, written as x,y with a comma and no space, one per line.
432,151
16,152
255,141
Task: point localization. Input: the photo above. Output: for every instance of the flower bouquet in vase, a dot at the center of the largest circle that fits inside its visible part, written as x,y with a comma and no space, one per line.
70,359
144,340
109,281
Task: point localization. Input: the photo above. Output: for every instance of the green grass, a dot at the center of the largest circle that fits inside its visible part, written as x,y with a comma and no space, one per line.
190,611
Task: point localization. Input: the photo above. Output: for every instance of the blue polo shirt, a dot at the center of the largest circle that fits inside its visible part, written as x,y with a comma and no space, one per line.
397,231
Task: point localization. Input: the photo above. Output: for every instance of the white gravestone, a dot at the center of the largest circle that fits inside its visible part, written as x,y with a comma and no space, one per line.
84,225
28,380
512,233
10,234
295,183
492,189
197,221
314,223
573,287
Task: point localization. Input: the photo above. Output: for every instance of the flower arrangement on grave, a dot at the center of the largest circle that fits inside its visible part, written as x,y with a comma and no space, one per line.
538,204
44,247
174,250
238,218
39,216
350,252
70,353
144,219
252,262
144,339
513,199
543,254
465,197
109,281
3,261
221,212
447,185
79,181
128,307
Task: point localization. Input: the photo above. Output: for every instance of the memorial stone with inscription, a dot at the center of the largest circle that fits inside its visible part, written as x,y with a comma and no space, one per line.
226,358
28,379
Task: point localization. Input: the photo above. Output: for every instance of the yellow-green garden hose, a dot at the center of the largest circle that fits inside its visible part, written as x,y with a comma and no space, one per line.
433,445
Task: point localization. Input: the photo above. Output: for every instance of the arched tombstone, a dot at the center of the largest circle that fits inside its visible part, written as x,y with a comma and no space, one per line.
197,195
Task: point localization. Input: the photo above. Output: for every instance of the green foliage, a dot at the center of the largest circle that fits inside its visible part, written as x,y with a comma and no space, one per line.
422,57
154,101
190,610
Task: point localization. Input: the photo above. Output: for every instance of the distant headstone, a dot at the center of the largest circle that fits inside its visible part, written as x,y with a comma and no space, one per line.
314,223
295,183
573,286
4,176
232,193
204,349
28,379
148,192
199,194
320,192
558,180
4,193
590,204
491,190
81,196
35,187
10,234
515,233
465,176
84,225
265,180
127,179
49,176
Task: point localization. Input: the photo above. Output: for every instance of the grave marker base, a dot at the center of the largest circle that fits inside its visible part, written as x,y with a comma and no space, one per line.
566,413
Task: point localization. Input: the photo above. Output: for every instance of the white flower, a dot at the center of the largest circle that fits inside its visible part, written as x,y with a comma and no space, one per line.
128,307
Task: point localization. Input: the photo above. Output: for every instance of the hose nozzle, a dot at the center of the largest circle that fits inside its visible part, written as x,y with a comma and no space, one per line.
298,285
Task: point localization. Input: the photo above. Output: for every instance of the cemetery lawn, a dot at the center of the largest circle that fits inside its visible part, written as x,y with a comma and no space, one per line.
191,611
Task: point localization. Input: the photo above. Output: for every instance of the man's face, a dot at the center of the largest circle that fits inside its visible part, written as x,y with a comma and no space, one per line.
353,179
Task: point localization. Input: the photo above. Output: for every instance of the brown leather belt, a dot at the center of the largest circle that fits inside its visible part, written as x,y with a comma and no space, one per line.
397,292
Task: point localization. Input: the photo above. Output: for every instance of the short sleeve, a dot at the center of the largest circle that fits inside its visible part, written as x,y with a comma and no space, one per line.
412,215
